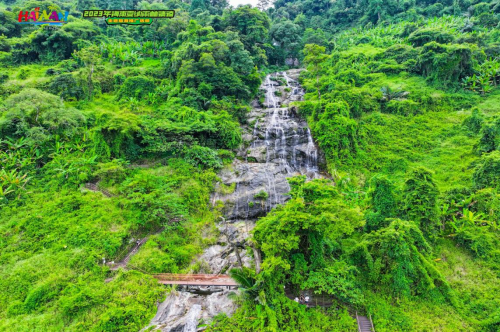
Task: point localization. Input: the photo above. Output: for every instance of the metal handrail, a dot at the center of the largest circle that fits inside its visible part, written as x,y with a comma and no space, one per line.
357,322
371,322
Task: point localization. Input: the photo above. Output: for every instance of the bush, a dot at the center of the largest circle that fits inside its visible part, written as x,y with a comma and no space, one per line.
488,20
38,115
65,86
400,52
396,258
403,107
337,134
482,242
474,122
426,35
136,87
262,195
200,156
487,202
487,171
105,79
6,58
490,138
3,77
383,202
118,80
446,63
23,74
420,199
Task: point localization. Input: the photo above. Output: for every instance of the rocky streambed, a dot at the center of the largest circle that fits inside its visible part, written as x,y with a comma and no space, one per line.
277,145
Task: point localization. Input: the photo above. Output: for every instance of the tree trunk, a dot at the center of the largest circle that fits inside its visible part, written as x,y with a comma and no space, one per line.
256,257
237,252
91,87
317,87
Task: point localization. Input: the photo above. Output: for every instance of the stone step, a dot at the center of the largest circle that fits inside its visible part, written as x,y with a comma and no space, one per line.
364,324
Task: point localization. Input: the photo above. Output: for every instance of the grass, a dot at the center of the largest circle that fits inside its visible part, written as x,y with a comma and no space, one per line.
366,49
434,140
475,284
226,189
490,105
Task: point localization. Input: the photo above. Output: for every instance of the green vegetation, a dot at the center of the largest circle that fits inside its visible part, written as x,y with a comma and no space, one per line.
109,134
262,195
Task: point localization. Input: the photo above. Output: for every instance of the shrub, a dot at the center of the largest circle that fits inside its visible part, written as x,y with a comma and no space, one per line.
487,171
262,195
3,77
487,202
200,156
446,63
383,200
403,107
396,258
420,199
65,86
6,58
426,35
37,115
105,79
337,134
488,20
23,74
474,122
490,138
137,87
401,53
482,242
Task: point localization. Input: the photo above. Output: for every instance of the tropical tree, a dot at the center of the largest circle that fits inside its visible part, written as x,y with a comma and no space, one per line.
420,195
397,258
90,58
384,203
314,57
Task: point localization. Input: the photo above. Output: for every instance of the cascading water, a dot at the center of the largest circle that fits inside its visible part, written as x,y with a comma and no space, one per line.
254,134
192,318
263,165
312,154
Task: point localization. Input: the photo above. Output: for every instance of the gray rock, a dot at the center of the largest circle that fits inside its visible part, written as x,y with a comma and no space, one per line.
278,145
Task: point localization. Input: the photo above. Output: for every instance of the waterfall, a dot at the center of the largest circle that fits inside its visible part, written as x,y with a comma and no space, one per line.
237,200
255,135
294,148
272,130
311,154
192,318
280,145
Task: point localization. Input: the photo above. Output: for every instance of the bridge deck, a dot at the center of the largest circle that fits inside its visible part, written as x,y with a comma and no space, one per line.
195,279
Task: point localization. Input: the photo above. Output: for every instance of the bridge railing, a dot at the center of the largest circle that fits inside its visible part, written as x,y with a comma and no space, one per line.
195,279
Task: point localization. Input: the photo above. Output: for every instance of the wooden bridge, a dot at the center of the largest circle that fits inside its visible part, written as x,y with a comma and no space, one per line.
195,279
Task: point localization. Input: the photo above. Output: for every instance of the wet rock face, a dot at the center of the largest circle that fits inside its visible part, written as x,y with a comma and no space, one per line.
278,145
184,311
220,258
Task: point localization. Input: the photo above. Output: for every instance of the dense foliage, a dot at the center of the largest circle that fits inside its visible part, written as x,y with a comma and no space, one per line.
113,133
